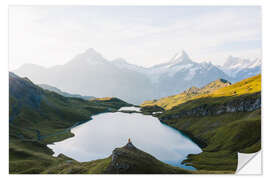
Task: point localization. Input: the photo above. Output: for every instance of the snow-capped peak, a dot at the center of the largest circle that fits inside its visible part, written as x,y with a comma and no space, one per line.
207,65
180,58
256,62
234,65
235,62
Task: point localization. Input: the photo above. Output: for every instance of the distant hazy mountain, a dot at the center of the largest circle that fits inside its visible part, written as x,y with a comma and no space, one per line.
238,69
91,74
58,91
38,117
123,64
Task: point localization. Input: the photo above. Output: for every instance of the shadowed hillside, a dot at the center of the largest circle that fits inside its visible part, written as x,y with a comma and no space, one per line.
39,117
58,91
222,119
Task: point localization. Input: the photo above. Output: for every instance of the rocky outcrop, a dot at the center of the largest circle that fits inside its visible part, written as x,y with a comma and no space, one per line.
117,154
131,160
191,91
245,104
116,165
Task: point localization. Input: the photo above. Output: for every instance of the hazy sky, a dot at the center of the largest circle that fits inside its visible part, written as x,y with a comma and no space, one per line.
143,35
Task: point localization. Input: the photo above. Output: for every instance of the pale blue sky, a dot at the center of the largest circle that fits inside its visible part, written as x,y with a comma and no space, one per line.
143,35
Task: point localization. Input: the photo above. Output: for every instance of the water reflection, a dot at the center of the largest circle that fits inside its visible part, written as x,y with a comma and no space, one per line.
97,138
132,108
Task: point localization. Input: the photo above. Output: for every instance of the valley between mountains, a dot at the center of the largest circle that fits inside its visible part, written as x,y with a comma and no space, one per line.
220,117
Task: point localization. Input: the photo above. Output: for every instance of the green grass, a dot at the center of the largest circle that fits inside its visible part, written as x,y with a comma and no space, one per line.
56,114
221,136
34,124
111,102
73,167
216,89
219,162
39,117
224,136
247,86
28,157
134,161
36,158
151,109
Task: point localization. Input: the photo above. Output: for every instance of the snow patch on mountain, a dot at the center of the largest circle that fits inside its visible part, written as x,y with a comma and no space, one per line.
191,73
234,65
178,68
179,59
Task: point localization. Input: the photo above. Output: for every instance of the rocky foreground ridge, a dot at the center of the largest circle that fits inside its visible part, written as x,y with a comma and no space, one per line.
131,160
123,160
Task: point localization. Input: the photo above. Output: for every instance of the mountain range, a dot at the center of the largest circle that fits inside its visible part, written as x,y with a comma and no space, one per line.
89,73
238,69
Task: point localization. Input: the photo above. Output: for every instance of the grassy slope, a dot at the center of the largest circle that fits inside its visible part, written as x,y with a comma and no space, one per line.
247,86
128,161
29,154
222,136
218,88
39,117
112,102
55,114
190,94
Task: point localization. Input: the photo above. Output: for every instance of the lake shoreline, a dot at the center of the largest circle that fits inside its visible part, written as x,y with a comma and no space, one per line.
153,118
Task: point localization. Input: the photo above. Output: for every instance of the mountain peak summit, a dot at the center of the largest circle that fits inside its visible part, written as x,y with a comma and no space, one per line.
91,51
90,56
184,54
180,58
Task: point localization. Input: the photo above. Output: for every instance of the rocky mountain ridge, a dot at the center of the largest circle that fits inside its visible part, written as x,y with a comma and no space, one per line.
93,75
240,68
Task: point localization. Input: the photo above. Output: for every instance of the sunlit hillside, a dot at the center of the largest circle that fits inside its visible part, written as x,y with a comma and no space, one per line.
216,88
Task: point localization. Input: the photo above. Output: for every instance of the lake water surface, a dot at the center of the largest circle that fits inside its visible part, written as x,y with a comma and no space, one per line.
98,137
